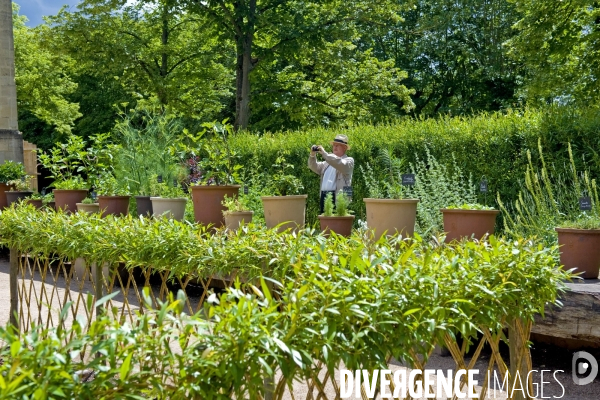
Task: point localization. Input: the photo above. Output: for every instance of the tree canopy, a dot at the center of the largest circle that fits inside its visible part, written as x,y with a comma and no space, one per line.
284,64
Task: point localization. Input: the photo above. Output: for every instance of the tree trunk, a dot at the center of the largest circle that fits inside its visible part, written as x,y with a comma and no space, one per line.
244,67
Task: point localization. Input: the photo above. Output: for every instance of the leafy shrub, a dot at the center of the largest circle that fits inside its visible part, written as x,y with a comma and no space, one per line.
10,170
328,205
491,145
341,205
549,198
437,186
406,296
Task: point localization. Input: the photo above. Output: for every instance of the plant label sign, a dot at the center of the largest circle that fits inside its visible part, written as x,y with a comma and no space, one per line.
245,189
347,191
159,179
585,203
408,179
483,186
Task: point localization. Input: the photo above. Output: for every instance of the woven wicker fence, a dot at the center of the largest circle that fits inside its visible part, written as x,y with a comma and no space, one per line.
58,275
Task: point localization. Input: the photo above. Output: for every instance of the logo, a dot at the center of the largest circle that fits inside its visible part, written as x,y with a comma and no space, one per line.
584,363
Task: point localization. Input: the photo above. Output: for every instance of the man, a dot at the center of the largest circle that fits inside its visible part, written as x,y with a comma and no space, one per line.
335,171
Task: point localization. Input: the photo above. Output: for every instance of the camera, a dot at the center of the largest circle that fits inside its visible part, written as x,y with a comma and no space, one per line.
314,147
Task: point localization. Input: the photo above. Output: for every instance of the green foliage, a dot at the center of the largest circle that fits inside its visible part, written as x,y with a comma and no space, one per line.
549,197
43,76
494,146
557,42
166,189
235,203
10,171
67,162
328,205
283,182
437,186
152,51
87,200
109,186
21,185
148,147
584,221
406,295
341,205
469,206
385,180
218,159
454,54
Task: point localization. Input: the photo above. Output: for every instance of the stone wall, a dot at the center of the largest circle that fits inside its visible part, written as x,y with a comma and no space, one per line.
11,141
8,89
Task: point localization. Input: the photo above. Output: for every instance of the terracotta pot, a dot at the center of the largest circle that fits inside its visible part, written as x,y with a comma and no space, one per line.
340,225
114,205
207,203
169,208
15,196
460,224
580,249
233,219
144,205
3,189
68,199
391,215
88,208
37,203
289,211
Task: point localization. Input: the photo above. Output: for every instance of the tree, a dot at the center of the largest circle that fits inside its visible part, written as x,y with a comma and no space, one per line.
304,41
152,48
43,79
453,53
558,41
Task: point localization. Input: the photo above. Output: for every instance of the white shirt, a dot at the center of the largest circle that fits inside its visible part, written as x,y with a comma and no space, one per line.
329,179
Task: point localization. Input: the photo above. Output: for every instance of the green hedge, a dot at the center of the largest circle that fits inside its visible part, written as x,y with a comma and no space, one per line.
490,145
337,299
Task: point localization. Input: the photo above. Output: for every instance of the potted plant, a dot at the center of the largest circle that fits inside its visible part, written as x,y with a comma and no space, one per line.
88,205
579,241
168,200
113,199
387,208
237,212
468,220
337,219
219,175
9,171
64,162
35,200
48,200
287,208
18,189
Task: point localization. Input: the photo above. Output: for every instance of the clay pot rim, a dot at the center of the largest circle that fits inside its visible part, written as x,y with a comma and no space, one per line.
88,204
399,201
291,196
458,211
337,217
114,197
214,187
70,190
578,231
238,212
19,191
168,198
142,197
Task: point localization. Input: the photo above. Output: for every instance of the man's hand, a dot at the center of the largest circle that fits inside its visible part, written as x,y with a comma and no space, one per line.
319,149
